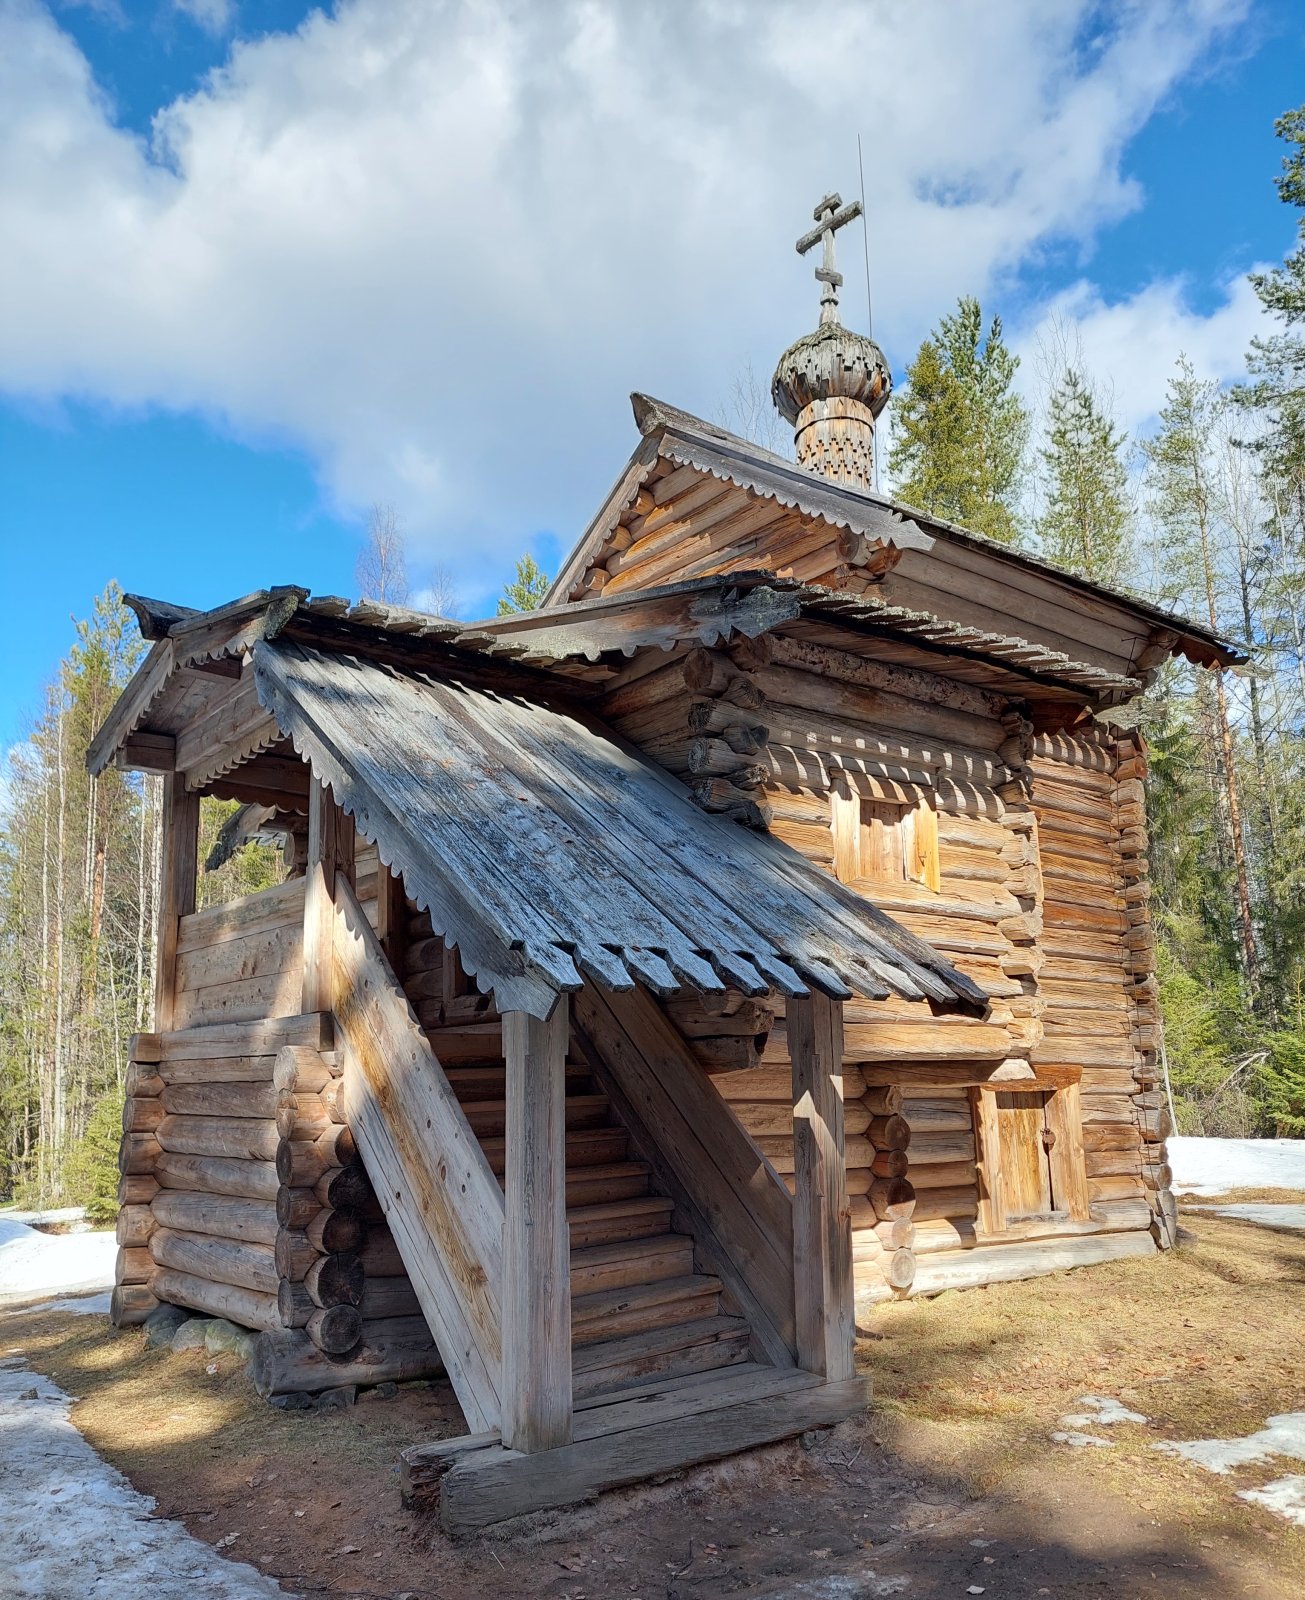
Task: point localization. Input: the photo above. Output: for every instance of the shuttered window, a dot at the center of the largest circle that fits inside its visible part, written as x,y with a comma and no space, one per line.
885,841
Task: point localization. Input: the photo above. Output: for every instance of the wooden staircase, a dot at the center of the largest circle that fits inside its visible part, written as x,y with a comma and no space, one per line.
639,1308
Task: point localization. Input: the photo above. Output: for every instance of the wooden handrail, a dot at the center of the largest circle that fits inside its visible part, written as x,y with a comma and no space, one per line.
441,1199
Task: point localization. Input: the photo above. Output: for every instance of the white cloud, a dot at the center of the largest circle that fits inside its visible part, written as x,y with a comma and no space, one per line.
1136,341
214,16
436,246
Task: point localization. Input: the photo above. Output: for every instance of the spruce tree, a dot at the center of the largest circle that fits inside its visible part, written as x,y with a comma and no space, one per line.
960,430
527,590
1085,524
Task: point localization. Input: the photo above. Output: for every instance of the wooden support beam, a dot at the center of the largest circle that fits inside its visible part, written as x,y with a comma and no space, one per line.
330,850
536,1387
391,915
177,891
824,1298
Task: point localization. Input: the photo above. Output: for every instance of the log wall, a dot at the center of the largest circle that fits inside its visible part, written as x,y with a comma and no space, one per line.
1098,981
242,1193
788,734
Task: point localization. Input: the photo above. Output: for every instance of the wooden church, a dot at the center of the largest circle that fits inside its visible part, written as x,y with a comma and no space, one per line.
756,932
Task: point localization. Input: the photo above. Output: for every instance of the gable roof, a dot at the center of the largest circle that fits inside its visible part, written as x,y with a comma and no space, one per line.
549,852
879,523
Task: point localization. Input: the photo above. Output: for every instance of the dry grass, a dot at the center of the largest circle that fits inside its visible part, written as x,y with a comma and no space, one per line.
1279,1197
1207,1342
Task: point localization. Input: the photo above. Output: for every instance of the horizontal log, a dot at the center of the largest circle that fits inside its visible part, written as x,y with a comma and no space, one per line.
142,1081
393,1351
333,1230
141,1116
138,1153
253,1180
134,1264
344,1187
300,1069
999,1263
300,1116
242,1138
247,1266
137,1188
221,1100
335,1280
130,1304
296,1208
335,1330
960,1201
389,1297
943,1174
293,1255
222,1216
248,1307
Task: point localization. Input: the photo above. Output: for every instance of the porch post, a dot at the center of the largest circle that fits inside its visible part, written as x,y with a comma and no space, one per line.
822,1218
536,1393
180,824
330,850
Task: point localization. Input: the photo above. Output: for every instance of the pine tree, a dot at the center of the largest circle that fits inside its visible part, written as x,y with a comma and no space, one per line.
1085,525
526,592
960,430
1185,501
1277,364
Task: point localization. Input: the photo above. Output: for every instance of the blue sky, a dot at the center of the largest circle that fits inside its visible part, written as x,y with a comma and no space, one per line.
276,265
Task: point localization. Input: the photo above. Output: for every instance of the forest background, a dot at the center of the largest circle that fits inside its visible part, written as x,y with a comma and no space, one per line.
1205,516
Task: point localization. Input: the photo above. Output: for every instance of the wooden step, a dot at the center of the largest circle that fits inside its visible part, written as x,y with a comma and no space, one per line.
586,1147
488,1118
606,1183
487,1083
613,1312
630,1263
637,1218
675,1351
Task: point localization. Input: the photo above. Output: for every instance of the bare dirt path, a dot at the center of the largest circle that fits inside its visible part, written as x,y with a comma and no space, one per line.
951,1486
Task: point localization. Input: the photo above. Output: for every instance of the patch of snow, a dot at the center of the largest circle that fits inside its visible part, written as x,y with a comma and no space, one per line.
1082,1441
1282,1436
36,1219
1285,1497
35,1265
70,1524
1213,1166
1267,1214
1104,1412
843,1586
87,1305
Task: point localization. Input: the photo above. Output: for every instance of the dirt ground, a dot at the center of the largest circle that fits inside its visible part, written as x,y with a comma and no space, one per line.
950,1486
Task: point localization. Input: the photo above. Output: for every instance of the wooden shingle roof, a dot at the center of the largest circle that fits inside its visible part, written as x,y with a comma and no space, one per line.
548,851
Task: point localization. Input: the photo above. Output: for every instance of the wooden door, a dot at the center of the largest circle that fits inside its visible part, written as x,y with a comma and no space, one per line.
1023,1161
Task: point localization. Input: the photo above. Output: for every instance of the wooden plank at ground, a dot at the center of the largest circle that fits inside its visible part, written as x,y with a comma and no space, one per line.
536,1389
822,1219
490,1485
1002,1263
441,1200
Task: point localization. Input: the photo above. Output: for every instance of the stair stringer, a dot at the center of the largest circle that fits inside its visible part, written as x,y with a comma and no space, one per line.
728,1195
440,1198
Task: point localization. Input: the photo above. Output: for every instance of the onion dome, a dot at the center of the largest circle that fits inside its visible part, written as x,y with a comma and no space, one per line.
833,383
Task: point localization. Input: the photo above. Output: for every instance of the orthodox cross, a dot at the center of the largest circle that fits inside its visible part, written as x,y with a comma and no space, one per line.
829,219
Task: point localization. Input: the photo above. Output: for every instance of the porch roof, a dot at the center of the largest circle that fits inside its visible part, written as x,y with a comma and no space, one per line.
549,851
